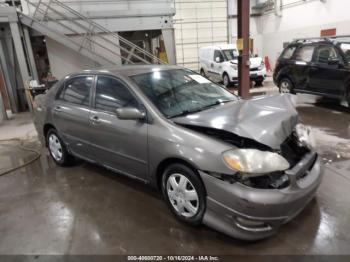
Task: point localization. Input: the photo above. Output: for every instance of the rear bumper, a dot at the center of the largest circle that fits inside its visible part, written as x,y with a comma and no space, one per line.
251,214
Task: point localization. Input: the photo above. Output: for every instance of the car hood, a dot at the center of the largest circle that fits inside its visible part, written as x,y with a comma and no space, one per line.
267,120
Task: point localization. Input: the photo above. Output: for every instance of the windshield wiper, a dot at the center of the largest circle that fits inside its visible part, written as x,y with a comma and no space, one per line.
188,112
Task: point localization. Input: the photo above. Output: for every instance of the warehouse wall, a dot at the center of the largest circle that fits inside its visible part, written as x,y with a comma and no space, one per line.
299,19
198,24
64,60
303,20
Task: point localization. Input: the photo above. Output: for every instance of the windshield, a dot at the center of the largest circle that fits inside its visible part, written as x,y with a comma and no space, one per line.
180,92
230,54
346,49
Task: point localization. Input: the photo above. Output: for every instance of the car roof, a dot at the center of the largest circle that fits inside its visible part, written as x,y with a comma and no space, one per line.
127,70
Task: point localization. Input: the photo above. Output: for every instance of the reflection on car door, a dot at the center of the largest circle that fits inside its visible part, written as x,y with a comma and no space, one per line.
300,71
118,144
71,110
327,72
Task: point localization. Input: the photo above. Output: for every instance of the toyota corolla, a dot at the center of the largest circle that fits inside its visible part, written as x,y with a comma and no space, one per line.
242,167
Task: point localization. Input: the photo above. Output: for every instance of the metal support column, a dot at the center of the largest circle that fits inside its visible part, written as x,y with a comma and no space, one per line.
169,42
29,49
16,36
3,114
9,87
243,8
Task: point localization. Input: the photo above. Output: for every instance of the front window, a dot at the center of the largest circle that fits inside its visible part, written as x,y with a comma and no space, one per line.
180,92
112,94
218,55
325,53
230,54
346,49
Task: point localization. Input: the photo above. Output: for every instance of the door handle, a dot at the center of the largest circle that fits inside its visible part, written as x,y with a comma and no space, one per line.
95,120
57,109
211,65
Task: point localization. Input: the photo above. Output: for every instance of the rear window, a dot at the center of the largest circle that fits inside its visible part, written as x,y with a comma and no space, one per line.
288,52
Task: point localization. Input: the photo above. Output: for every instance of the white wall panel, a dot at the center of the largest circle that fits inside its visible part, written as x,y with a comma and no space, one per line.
198,24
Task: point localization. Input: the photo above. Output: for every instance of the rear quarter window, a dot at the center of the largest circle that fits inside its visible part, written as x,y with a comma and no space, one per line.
288,52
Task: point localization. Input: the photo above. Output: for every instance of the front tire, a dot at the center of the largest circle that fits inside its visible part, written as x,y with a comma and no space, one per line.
226,80
184,193
285,86
57,149
203,73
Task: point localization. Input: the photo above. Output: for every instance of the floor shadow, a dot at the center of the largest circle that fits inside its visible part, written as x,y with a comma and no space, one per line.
332,104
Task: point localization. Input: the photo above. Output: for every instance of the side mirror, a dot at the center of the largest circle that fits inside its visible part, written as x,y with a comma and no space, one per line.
130,113
217,59
333,61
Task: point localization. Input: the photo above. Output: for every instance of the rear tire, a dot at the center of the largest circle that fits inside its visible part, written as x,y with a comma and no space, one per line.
286,86
259,83
57,149
203,73
184,193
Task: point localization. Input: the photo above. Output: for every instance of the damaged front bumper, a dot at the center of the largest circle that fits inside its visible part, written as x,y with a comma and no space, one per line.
252,214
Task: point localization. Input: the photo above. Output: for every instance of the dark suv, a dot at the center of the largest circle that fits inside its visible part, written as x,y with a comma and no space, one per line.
320,67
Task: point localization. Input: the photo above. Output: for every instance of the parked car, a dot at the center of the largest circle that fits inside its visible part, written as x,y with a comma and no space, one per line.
242,167
319,67
220,64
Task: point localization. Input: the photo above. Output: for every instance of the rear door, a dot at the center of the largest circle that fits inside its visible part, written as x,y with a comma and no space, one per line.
119,144
71,111
327,72
302,62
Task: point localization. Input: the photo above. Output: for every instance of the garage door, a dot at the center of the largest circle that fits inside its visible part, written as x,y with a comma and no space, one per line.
198,24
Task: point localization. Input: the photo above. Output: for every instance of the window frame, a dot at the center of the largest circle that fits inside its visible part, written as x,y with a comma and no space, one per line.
93,102
63,86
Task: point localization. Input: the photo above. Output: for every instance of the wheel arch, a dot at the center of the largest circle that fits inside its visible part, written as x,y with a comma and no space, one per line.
46,129
169,161
283,76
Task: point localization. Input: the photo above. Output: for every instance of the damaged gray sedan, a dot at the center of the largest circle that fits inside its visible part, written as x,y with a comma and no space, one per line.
242,167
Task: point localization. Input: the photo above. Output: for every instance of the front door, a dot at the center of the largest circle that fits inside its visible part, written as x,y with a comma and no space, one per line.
215,69
71,110
327,72
118,144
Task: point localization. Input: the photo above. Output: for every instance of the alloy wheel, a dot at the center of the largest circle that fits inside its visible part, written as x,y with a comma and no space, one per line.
55,147
182,195
285,87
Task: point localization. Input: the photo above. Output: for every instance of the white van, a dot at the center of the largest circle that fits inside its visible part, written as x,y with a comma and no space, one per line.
220,64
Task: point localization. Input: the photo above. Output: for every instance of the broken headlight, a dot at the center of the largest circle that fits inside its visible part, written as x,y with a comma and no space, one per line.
305,136
254,162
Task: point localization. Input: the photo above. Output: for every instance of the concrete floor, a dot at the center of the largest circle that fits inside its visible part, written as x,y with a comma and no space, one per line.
85,209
